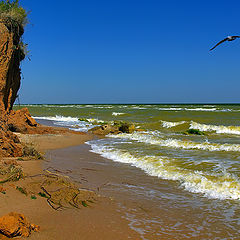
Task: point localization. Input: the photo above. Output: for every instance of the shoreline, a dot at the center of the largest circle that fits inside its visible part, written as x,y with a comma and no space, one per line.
130,203
101,217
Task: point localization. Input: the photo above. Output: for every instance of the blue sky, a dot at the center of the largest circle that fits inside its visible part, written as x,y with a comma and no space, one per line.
131,51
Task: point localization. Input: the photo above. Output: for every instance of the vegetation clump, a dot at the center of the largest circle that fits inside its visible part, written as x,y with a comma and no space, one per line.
12,11
194,132
33,197
59,191
42,195
11,173
22,190
29,151
15,18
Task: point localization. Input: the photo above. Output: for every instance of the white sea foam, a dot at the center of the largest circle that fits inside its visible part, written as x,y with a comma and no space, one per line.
221,185
195,109
215,128
70,122
59,118
171,124
94,120
170,109
117,113
175,143
187,109
97,106
139,108
201,109
103,107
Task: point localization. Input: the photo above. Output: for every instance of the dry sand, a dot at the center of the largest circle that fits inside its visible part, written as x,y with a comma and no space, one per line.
100,221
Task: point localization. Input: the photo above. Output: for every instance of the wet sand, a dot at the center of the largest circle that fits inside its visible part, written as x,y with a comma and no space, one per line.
101,220
150,208
119,182
130,204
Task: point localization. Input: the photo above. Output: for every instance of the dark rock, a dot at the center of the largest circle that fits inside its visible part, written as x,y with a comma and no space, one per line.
194,132
115,128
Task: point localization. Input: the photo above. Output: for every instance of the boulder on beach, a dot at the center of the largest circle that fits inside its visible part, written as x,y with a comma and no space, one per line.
21,121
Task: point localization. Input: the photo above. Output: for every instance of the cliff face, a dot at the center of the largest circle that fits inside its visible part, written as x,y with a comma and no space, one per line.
10,57
11,54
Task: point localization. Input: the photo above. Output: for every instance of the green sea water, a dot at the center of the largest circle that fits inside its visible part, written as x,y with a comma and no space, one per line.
207,164
192,183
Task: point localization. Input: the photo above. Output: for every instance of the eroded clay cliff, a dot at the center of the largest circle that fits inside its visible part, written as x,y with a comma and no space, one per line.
10,58
20,121
10,77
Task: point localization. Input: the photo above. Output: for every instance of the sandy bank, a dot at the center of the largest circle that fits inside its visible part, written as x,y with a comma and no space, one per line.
54,141
100,220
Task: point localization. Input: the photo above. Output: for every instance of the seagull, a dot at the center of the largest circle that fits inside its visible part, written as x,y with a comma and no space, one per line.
229,38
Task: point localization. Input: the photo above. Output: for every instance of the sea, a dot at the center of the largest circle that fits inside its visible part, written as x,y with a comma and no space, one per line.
202,172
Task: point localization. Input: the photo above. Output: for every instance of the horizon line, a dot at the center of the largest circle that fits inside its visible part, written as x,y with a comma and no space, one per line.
194,103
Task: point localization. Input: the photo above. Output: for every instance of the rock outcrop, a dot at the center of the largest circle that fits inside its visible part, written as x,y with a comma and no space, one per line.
115,128
15,224
21,121
11,54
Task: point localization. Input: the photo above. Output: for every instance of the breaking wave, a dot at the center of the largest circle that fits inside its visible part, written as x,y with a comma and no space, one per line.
171,124
213,185
72,123
117,113
215,128
58,118
175,143
197,109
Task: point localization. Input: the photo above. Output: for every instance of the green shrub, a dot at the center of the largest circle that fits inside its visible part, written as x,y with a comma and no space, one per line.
33,197
42,195
22,190
15,18
13,11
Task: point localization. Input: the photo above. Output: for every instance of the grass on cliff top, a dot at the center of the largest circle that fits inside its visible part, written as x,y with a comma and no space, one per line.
13,11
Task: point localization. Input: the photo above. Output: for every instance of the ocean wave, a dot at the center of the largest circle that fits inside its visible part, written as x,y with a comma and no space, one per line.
174,143
170,109
196,109
213,185
117,113
171,124
58,118
72,123
215,128
138,108
97,106
201,109
188,109
93,120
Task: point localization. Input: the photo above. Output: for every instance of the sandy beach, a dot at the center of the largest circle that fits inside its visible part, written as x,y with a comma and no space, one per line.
113,128
101,220
133,186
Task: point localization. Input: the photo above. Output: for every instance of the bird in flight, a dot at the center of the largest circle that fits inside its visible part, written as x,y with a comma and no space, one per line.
229,38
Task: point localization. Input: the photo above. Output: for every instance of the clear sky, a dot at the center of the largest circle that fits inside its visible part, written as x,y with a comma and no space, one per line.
131,51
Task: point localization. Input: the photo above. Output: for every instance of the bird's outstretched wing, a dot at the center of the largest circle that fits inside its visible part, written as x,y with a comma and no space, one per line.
236,36
220,43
